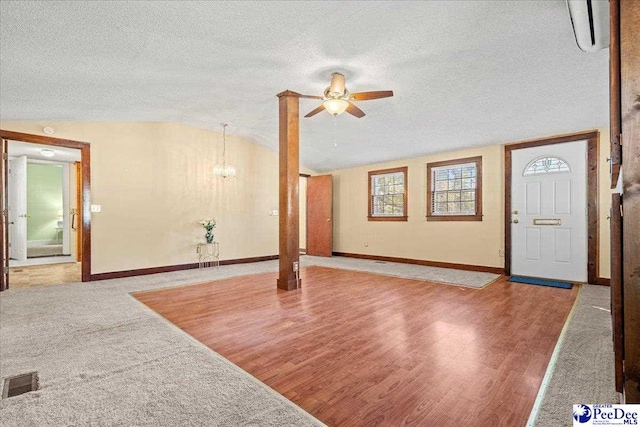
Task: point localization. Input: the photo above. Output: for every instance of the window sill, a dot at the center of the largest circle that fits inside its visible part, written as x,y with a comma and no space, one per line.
387,218
454,217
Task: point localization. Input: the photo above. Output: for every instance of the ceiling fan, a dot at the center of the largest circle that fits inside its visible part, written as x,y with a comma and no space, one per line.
337,98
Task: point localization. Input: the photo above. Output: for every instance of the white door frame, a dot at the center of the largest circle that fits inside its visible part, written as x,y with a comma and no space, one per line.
592,138
17,207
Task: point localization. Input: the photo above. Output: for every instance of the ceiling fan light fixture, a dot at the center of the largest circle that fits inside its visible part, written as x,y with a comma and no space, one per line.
47,153
337,86
336,106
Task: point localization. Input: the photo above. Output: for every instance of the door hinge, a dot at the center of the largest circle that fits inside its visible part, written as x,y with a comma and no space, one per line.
621,210
5,270
4,156
5,213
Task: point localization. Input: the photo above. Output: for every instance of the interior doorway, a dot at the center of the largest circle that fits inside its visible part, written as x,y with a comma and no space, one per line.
45,230
42,204
302,195
42,211
319,207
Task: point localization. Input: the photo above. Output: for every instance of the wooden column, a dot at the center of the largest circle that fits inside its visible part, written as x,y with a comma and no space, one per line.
630,114
289,185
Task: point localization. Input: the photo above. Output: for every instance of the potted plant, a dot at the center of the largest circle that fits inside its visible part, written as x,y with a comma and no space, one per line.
209,225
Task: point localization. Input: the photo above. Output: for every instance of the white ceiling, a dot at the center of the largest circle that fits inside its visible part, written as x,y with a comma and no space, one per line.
464,73
34,151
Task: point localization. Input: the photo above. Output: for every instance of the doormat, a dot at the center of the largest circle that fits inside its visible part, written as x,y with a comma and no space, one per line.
540,282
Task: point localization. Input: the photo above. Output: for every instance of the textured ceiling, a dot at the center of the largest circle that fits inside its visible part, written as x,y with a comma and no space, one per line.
464,73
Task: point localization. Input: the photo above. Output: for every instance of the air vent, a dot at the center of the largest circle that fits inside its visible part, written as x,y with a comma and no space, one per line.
20,384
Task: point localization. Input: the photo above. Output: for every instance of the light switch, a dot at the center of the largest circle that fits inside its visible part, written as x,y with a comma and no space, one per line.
96,208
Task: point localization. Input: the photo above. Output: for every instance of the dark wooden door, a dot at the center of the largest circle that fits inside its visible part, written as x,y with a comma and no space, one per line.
4,225
617,298
320,215
630,115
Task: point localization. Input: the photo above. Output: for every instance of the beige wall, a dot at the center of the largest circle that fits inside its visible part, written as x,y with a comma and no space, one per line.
155,181
474,242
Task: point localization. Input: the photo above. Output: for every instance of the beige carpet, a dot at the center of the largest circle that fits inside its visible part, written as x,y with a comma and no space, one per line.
104,359
584,371
449,276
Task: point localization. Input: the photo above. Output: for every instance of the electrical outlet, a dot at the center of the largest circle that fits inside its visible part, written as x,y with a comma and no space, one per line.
96,208
296,266
501,253
366,244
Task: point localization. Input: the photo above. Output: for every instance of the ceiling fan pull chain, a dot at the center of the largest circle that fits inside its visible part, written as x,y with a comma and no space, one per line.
335,130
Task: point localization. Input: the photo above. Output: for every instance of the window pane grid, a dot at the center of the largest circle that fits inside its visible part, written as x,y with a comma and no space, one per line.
387,194
453,190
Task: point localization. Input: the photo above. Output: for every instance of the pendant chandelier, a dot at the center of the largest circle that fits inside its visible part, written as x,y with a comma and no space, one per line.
224,170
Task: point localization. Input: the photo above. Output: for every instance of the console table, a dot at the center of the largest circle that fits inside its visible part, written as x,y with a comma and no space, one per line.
208,254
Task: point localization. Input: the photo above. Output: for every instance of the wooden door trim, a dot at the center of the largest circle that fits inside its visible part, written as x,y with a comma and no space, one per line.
617,295
629,27
615,106
78,210
4,219
85,156
592,138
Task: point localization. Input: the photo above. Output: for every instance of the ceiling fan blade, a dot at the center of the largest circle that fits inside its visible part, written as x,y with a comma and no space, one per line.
355,111
310,96
377,94
316,111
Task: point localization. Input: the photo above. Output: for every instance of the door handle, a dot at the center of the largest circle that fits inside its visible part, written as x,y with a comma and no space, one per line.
74,216
515,221
328,219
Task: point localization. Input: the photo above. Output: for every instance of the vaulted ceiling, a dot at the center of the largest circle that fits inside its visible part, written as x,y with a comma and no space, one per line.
464,73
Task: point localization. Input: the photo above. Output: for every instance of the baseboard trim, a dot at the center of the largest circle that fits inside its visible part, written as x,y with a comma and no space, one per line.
169,268
603,281
468,267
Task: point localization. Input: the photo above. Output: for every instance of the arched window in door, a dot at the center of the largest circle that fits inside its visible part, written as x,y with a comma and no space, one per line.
546,164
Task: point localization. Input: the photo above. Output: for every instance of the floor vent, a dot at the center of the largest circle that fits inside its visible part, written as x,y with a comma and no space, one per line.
380,262
20,384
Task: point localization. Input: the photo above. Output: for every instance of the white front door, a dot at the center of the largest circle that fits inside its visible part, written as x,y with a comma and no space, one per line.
17,206
549,211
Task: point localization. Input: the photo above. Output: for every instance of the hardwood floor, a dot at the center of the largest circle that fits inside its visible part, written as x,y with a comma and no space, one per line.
355,348
44,275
